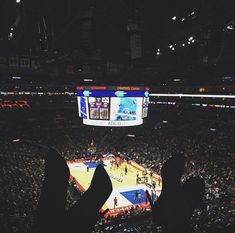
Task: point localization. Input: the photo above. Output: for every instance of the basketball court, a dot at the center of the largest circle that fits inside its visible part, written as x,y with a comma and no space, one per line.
125,184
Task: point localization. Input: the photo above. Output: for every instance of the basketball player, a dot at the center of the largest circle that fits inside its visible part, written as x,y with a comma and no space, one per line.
126,170
115,202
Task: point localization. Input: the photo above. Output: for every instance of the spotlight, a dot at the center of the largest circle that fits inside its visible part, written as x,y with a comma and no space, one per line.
190,38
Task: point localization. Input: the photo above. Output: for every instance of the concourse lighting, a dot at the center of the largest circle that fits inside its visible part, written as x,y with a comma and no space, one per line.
18,1
195,95
183,44
174,18
171,46
182,19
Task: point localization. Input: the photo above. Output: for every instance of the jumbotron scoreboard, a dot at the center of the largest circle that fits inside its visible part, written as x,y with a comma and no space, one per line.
117,106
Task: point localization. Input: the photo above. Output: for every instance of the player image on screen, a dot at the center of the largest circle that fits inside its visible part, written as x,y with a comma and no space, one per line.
99,108
104,111
126,109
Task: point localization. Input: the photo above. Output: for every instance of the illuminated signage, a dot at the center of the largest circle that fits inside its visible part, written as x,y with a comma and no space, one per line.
112,93
14,104
115,107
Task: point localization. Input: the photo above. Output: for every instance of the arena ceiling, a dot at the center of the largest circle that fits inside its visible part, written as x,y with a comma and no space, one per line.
193,40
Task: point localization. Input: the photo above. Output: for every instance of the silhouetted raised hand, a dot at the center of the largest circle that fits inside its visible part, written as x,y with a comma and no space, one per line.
177,200
51,215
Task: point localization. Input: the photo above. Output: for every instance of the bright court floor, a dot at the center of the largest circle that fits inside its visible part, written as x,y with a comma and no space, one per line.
124,185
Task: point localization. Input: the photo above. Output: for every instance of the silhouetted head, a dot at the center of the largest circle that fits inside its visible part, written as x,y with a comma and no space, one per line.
173,168
177,201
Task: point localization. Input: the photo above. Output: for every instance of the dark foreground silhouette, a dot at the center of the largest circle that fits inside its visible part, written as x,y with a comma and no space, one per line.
172,209
177,200
51,215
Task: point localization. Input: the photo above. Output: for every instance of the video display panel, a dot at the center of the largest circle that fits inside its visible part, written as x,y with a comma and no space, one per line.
99,108
82,107
115,107
145,107
125,109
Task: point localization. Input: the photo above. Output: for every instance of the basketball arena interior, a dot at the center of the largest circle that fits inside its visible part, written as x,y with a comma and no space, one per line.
117,116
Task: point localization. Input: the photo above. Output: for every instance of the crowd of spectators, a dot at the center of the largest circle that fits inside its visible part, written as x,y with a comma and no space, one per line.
207,145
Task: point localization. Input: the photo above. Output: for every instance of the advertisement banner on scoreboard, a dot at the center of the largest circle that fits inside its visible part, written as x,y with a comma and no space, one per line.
110,123
111,93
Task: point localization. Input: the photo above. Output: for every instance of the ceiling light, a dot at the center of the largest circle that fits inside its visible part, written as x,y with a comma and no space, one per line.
171,46
230,27
182,19
212,129
190,38
183,44
18,1
174,18
88,80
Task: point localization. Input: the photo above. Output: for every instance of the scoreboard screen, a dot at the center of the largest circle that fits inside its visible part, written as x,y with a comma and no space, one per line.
111,106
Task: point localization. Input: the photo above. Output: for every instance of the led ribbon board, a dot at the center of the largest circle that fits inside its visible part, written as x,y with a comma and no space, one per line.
112,106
